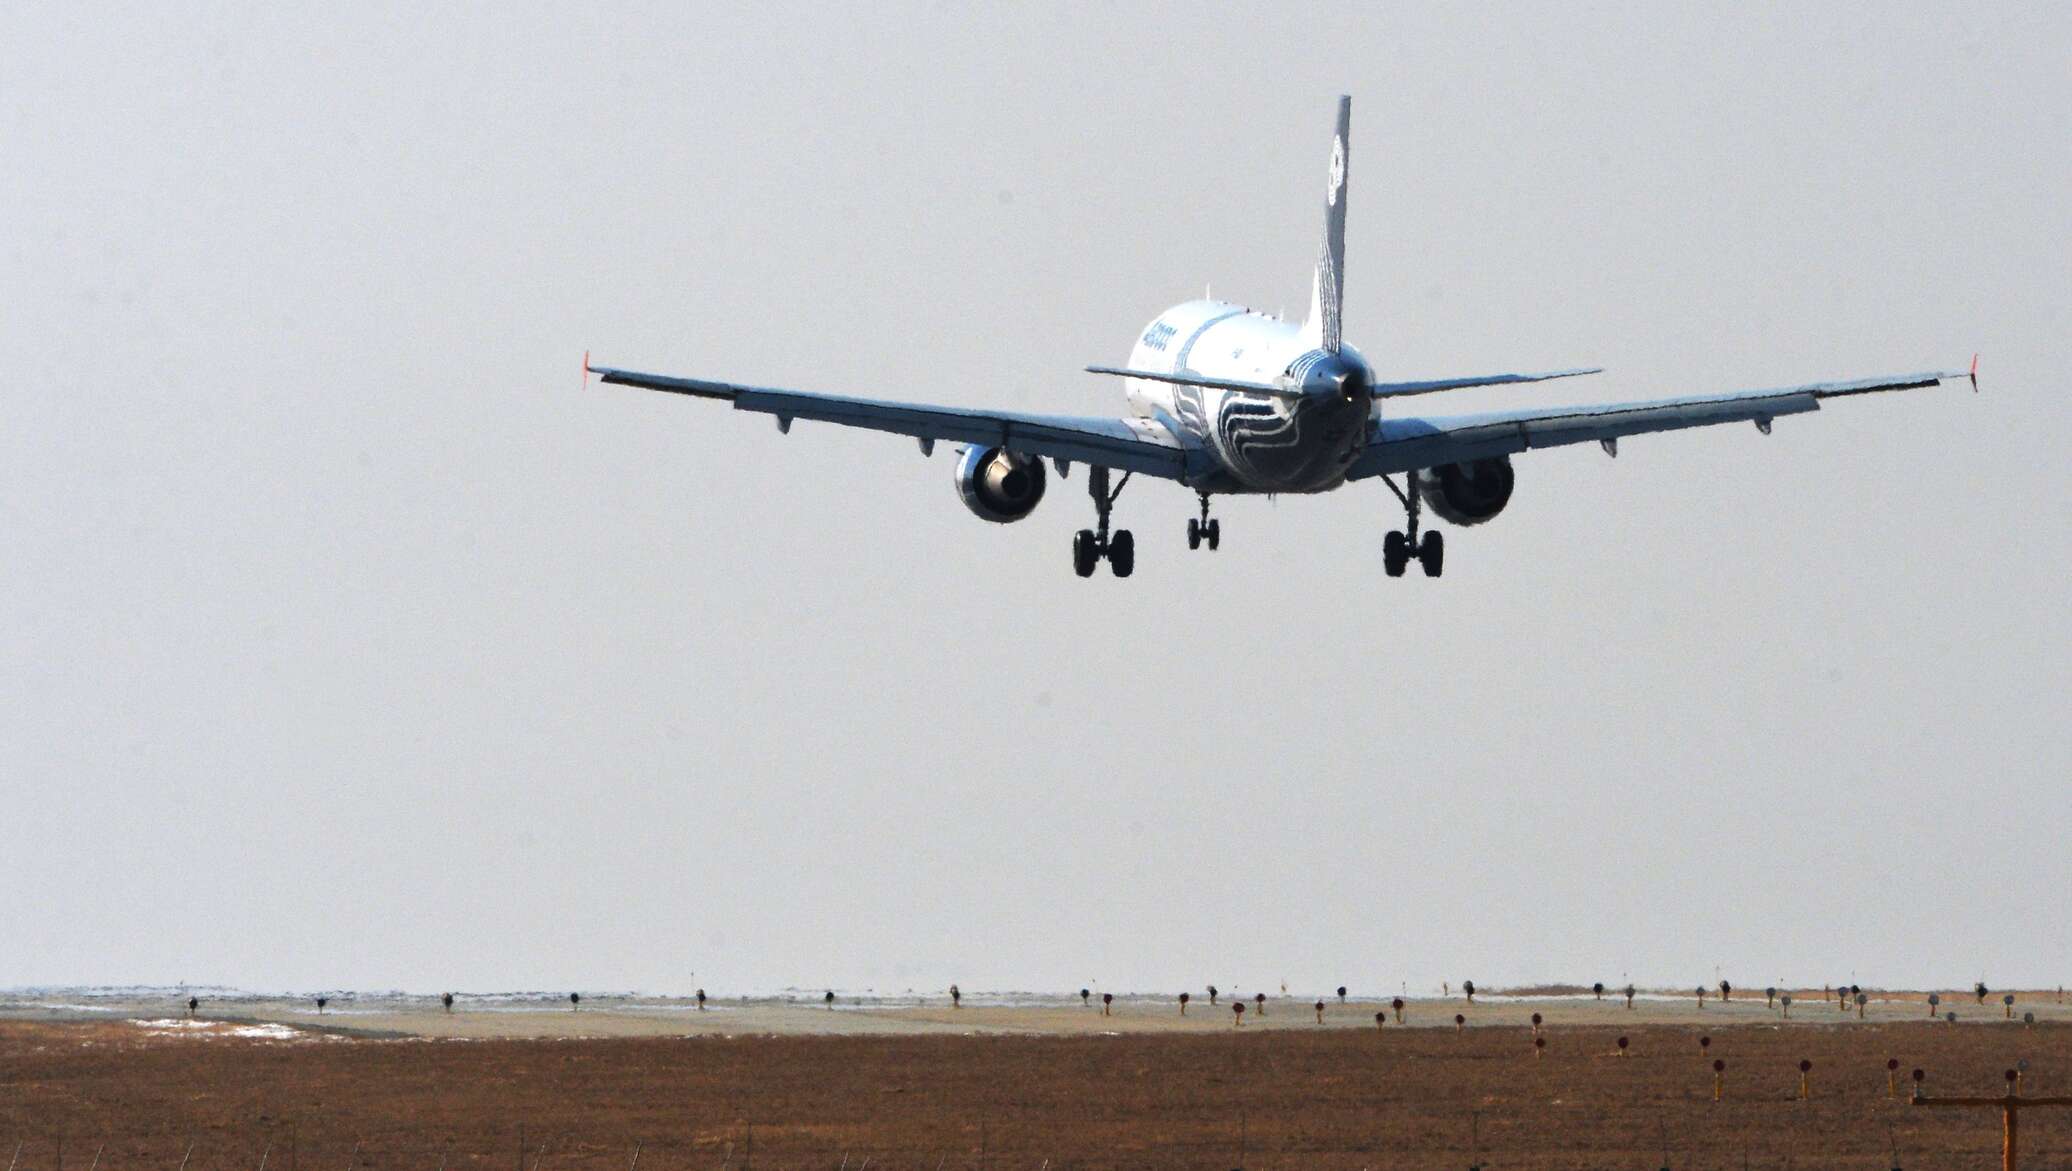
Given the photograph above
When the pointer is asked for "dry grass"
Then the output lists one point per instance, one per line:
(1381, 1098)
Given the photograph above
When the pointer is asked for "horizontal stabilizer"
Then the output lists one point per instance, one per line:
(1385, 389)
(1267, 388)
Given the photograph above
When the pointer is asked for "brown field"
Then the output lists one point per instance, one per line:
(1287, 1098)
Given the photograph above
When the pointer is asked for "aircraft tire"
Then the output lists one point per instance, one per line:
(1085, 553)
(1215, 533)
(1122, 553)
(1193, 533)
(1431, 553)
(1395, 553)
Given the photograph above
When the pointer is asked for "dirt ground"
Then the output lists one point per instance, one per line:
(1257, 1098)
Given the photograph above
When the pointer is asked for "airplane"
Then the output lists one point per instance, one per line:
(1224, 400)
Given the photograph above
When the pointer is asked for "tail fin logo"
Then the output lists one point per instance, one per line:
(1337, 172)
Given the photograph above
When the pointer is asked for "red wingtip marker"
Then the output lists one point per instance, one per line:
(1974, 374)
(586, 369)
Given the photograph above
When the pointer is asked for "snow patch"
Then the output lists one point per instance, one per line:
(266, 1032)
(193, 1028)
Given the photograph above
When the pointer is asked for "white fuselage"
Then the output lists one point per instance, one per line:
(1259, 443)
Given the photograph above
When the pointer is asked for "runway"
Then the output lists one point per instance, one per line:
(860, 1013)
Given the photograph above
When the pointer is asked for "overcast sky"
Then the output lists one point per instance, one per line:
(349, 642)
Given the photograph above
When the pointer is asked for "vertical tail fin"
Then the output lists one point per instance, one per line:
(1328, 292)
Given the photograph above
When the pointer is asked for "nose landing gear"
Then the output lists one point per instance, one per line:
(1397, 548)
(1089, 546)
(1204, 529)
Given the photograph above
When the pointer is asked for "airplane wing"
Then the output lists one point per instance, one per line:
(1130, 445)
(1407, 443)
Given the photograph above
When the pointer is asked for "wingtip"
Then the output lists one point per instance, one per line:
(586, 369)
(1974, 373)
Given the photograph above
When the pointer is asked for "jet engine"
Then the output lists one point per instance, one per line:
(1467, 494)
(999, 485)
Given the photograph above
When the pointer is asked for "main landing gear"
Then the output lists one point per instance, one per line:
(1089, 546)
(1397, 548)
(1204, 529)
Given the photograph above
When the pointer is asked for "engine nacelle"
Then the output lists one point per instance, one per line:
(1467, 494)
(999, 485)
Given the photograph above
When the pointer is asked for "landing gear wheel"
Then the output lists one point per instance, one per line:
(1086, 552)
(1204, 529)
(1431, 553)
(1122, 553)
(1395, 553)
(1090, 545)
